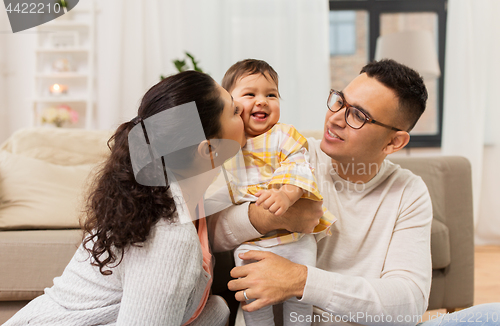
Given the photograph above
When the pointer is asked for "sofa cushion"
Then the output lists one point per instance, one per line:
(38, 195)
(60, 146)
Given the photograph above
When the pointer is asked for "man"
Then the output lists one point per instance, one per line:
(375, 268)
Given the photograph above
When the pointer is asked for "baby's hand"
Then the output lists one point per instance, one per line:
(274, 200)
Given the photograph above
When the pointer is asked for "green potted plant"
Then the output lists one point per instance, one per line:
(64, 8)
(182, 65)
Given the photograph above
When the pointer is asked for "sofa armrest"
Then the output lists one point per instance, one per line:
(449, 180)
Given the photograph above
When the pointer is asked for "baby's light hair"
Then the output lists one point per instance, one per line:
(245, 68)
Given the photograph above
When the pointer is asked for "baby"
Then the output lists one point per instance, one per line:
(278, 174)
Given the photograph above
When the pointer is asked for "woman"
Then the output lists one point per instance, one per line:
(138, 263)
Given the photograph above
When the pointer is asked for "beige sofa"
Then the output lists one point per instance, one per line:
(43, 172)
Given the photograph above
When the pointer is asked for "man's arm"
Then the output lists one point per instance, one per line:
(239, 223)
(401, 291)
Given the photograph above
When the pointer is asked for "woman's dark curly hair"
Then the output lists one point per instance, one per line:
(121, 212)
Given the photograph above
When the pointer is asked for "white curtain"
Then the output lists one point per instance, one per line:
(4, 29)
(137, 41)
(471, 108)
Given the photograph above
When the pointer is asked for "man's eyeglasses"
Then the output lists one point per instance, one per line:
(354, 117)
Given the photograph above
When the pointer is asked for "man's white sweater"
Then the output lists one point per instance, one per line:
(376, 266)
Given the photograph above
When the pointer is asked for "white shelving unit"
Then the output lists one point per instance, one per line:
(65, 55)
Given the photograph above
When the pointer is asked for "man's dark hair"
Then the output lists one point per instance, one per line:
(245, 68)
(406, 83)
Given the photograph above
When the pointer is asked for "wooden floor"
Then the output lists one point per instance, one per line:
(487, 274)
(486, 277)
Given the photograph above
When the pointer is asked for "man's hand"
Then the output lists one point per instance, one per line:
(301, 217)
(269, 280)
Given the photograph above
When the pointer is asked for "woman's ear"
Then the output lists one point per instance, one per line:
(205, 150)
(398, 141)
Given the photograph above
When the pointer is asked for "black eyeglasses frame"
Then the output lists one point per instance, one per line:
(348, 109)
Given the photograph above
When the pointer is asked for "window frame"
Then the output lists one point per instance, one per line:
(353, 50)
(375, 9)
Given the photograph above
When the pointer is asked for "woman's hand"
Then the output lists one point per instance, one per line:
(268, 280)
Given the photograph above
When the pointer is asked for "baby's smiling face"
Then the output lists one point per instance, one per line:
(261, 105)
